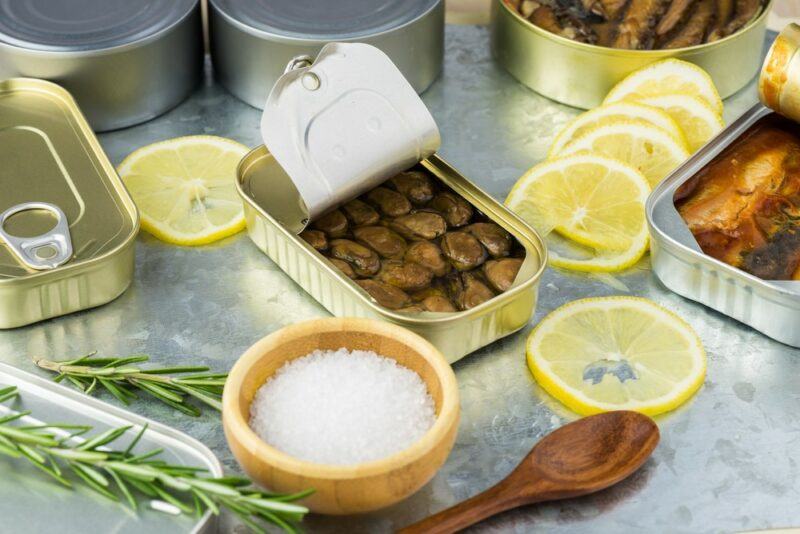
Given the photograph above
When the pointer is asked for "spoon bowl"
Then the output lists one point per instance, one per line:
(580, 458)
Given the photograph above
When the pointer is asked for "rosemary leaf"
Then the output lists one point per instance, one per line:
(8, 393)
(133, 443)
(103, 438)
(82, 473)
(123, 488)
(157, 390)
(211, 505)
(178, 370)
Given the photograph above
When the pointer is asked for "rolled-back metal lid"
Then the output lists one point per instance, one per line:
(344, 125)
(779, 82)
(326, 21)
(86, 25)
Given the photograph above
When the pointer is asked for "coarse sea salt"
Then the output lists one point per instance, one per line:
(342, 407)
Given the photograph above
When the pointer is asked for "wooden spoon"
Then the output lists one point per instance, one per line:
(582, 457)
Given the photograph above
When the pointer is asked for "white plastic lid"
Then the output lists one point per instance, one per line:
(345, 124)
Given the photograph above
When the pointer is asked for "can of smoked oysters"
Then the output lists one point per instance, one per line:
(725, 226)
(348, 196)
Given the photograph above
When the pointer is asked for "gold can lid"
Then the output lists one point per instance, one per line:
(779, 82)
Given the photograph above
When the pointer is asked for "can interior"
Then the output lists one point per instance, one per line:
(267, 187)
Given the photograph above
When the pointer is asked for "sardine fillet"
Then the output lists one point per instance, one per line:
(695, 28)
(737, 204)
(677, 11)
(637, 23)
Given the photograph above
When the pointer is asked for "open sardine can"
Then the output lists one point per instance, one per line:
(336, 128)
(731, 245)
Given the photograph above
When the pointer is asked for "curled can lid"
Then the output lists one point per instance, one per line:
(779, 82)
(344, 124)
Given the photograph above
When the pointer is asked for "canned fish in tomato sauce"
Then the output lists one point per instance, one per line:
(725, 226)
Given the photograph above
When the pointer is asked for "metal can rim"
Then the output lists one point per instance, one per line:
(137, 43)
(270, 36)
(655, 54)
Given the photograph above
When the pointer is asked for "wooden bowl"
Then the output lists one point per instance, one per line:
(341, 489)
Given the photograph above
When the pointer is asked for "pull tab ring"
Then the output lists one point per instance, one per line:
(298, 62)
(42, 252)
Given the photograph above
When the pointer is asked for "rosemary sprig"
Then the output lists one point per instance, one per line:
(57, 450)
(121, 377)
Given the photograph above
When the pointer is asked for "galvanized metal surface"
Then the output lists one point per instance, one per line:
(580, 74)
(30, 502)
(728, 460)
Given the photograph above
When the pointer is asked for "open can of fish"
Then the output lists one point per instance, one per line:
(338, 128)
(724, 226)
(581, 74)
(67, 224)
(252, 40)
(124, 61)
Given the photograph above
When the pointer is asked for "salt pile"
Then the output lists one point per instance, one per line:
(342, 407)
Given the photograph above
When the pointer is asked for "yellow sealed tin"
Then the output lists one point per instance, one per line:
(67, 224)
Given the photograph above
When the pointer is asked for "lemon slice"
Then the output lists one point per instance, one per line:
(651, 150)
(185, 188)
(593, 200)
(616, 353)
(610, 113)
(667, 77)
(599, 262)
(697, 120)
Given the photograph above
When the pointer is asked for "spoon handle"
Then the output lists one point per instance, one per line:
(492, 501)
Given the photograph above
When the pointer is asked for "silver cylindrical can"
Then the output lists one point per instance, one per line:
(124, 61)
(253, 40)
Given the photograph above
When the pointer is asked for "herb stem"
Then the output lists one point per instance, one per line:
(120, 474)
(121, 377)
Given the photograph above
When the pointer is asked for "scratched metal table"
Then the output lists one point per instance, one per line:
(728, 460)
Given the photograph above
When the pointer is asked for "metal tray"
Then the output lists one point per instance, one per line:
(772, 307)
(252, 41)
(268, 194)
(50, 155)
(581, 75)
(125, 61)
(32, 503)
